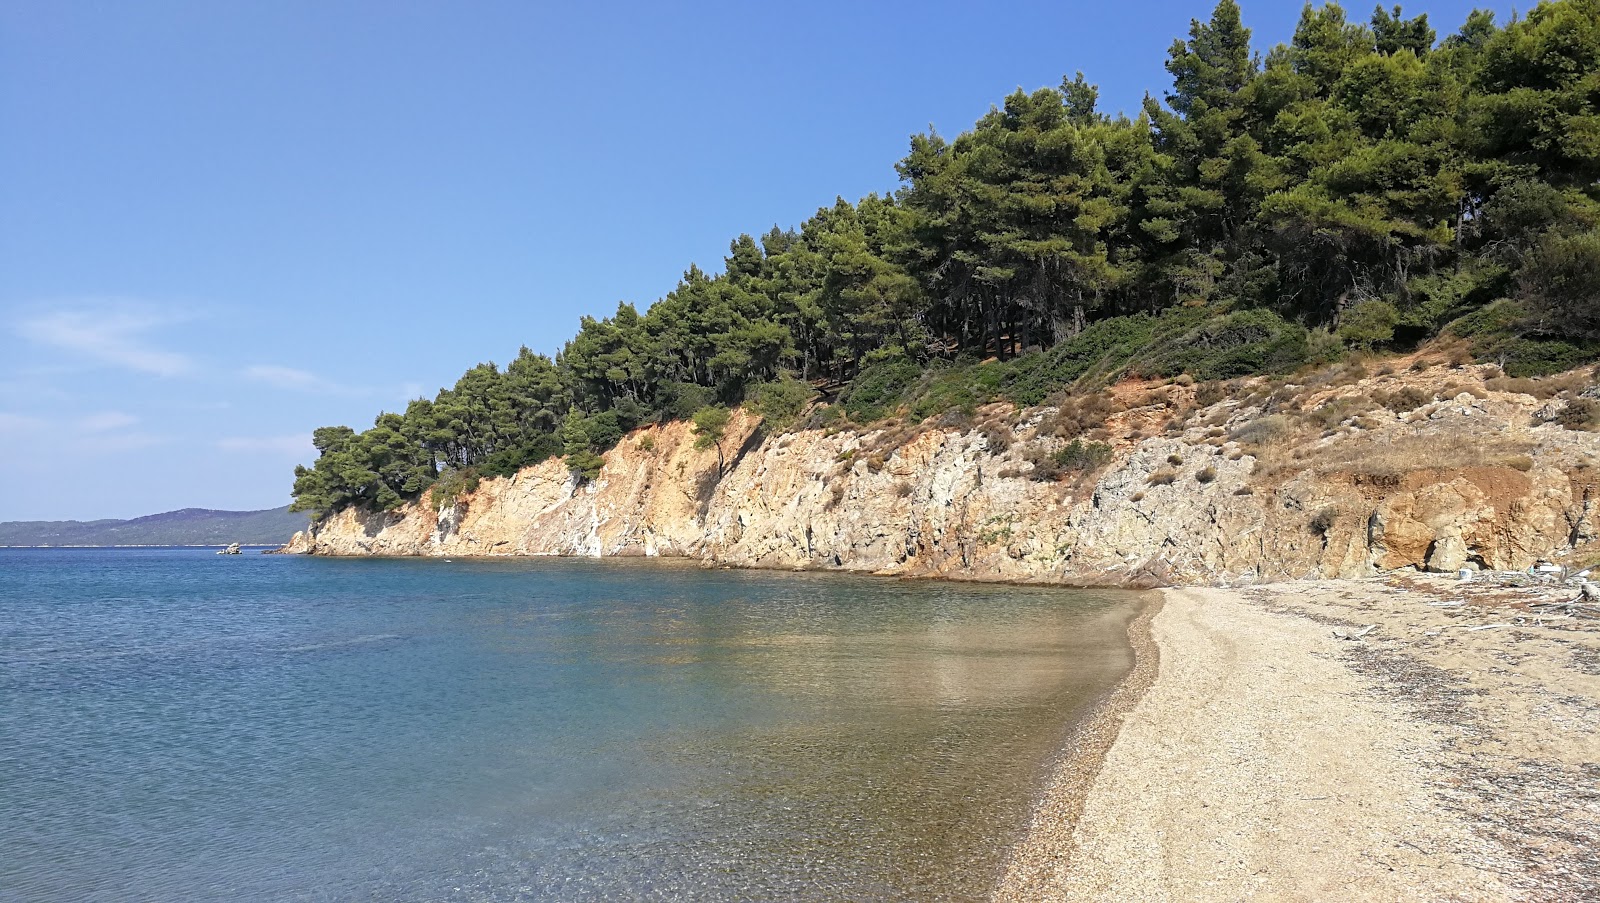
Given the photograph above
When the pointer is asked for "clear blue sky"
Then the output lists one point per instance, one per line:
(225, 224)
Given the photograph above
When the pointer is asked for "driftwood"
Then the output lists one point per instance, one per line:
(1577, 607)
(1347, 633)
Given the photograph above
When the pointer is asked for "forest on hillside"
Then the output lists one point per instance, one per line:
(1368, 186)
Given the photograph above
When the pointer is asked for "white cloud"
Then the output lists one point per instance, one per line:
(18, 425)
(112, 334)
(283, 377)
(298, 380)
(297, 446)
(92, 434)
(105, 443)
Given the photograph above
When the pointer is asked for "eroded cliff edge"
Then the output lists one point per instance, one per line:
(1276, 481)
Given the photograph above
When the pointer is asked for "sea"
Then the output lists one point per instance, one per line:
(177, 725)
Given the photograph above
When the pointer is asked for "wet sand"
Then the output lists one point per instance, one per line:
(1268, 758)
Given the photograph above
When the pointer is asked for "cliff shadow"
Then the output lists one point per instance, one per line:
(705, 486)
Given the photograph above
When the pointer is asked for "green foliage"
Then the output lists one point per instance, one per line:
(452, 485)
(679, 400)
(1080, 455)
(1497, 333)
(780, 402)
(1362, 185)
(876, 391)
(586, 464)
(709, 426)
(508, 461)
(1369, 324)
(1560, 284)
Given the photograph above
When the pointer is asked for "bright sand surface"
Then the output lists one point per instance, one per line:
(1255, 754)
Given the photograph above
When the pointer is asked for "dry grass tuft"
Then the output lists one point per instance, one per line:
(1580, 414)
(1264, 430)
(1412, 453)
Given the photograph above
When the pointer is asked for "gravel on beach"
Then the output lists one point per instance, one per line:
(1262, 754)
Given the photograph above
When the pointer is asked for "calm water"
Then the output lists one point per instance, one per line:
(177, 725)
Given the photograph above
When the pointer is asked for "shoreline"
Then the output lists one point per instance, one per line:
(1037, 863)
(1452, 752)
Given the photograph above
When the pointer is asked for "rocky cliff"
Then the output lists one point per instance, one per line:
(1438, 469)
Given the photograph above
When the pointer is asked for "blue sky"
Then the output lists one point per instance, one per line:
(225, 224)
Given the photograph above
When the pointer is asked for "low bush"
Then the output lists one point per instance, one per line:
(1080, 455)
(1580, 414)
(452, 486)
(877, 391)
(998, 436)
(781, 402)
(1076, 456)
(1406, 398)
(1264, 430)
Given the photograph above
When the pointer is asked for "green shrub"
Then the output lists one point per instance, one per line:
(679, 401)
(1501, 333)
(1080, 455)
(586, 464)
(1369, 324)
(709, 425)
(1560, 282)
(451, 486)
(877, 391)
(1242, 343)
(780, 402)
(509, 461)
(950, 388)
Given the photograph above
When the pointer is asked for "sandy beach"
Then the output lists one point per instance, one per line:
(1452, 752)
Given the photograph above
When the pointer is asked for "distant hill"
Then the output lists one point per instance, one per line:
(185, 527)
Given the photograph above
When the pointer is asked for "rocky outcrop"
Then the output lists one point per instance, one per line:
(1466, 481)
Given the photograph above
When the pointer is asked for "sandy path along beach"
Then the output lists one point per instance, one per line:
(1270, 759)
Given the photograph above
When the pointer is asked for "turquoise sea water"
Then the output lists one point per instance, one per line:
(177, 725)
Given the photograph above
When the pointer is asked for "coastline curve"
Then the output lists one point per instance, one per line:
(1037, 866)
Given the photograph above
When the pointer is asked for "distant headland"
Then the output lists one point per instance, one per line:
(184, 527)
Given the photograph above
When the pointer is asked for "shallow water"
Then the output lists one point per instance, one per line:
(180, 725)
